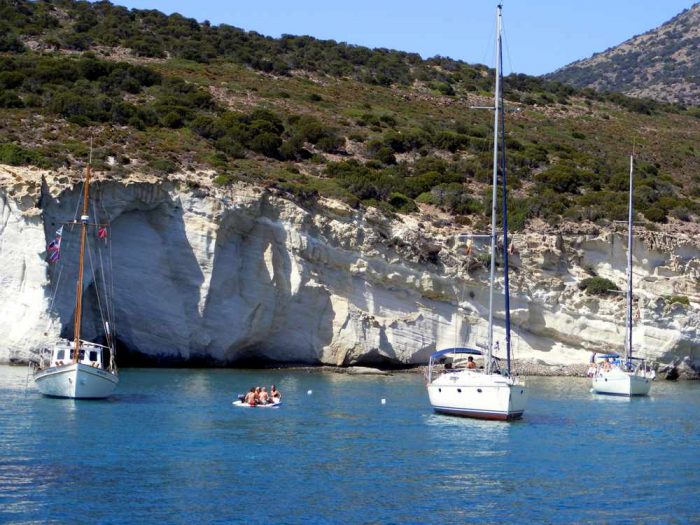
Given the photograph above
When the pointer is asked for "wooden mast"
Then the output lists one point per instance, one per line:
(79, 286)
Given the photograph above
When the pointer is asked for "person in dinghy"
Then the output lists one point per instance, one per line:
(259, 397)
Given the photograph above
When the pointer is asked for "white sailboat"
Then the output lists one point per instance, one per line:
(78, 369)
(456, 385)
(625, 375)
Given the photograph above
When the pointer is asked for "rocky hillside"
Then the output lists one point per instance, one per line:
(380, 128)
(662, 64)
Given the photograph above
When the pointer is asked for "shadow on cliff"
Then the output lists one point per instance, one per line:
(149, 259)
(260, 308)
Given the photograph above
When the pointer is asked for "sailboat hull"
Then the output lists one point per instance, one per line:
(477, 395)
(76, 381)
(619, 383)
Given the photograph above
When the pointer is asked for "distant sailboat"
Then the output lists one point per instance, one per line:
(624, 375)
(456, 386)
(78, 369)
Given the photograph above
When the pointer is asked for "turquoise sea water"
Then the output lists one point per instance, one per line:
(170, 448)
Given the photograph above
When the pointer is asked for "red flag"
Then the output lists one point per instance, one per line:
(102, 232)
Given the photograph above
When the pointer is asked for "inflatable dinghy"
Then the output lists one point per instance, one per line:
(240, 403)
(248, 405)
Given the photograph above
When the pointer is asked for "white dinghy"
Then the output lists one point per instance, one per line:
(243, 404)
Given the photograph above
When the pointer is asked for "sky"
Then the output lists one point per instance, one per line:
(541, 35)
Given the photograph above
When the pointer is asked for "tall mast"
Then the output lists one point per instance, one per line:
(494, 194)
(79, 286)
(506, 284)
(628, 339)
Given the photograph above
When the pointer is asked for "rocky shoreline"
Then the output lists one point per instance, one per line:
(677, 370)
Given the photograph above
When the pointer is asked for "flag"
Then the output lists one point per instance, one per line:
(54, 247)
(102, 232)
(470, 244)
(511, 248)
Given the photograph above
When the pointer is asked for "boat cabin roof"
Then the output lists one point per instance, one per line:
(617, 356)
(452, 352)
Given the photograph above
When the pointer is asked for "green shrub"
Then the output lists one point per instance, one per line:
(9, 99)
(231, 147)
(267, 144)
(563, 178)
(655, 214)
(443, 88)
(681, 213)
(330, 143)
(15, 155)
(401, 203)
(598, 286)
(677, 299)
(224, 179)
(451, 141)
(10, 43)
(163, 165)
(452, 197)
(385, 156)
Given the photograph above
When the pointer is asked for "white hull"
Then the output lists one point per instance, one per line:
(616, 382)
(240, 403)
(474, 394)
(76, 381)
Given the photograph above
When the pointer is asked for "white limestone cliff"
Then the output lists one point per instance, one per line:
(243, 274)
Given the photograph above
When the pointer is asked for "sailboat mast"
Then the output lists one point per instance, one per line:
(79, 285)
(494, 193)
(504, 189)
(628, 342)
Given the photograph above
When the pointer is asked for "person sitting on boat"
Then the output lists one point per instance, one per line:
(275, 394)
(250, 397)
(470, 362)
(264, 397)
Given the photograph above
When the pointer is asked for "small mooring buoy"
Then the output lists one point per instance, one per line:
(309, 392)
(383, 401)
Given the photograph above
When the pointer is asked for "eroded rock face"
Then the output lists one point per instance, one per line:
(244, 274)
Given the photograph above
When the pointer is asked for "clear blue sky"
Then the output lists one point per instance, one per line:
(542, 35)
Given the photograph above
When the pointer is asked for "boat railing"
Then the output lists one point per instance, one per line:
(634, 365)
(436, 370)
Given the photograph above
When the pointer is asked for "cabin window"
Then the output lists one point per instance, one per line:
(60, 355)
(93, 355)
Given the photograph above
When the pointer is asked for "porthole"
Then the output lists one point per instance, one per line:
(439, 389)
(459, 390)
(478, 390)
